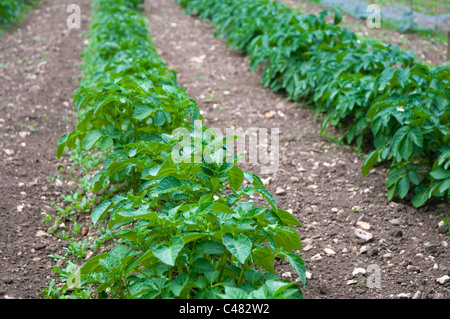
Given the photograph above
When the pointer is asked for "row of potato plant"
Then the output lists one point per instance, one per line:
(181, 229)
(373, 92)
(10, 10)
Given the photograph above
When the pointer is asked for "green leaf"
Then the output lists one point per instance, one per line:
(160, 118)
(222, 208)
(142, 111)
(413, 177)
(209, 247)
(240, 246)
(369, 162)
(194, 112)
(421, 196)
(202, 266)
(299, 266)
(440, 173)
(167, 185)
(100, 210)
(267, 196)
(92, 138)
(416, 136)
(406, 148)
(236, 178)
(403, 186)
(168, 253)
(187, 238)
(287, 218)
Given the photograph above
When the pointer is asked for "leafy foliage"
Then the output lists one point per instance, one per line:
(11, 9)
(372, 91)
(182, 229)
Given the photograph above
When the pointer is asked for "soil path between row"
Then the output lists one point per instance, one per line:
(39, 71)
(318, 180)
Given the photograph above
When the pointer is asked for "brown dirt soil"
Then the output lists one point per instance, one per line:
(428, 50)
(38, 75)
(322, 181)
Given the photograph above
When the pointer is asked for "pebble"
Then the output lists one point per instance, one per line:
(442, 280)
(430, 249)
(395, 221)
(308, 275)
(58, 183)
(417, 295)
(316, 257)
(8, 152)
(413, 268)
(404, 296)
(307, 247)
(358, 271)
(444, 244)
(364, 249)
(280, 191)
(352, 282)
(287, 275)
(329, 252)
(366, 236)
(419, 255)
(363, 225)
(41, 233)
(268, 115)
(387, 256)
(295, 179)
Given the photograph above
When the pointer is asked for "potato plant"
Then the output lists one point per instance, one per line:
(181, 229)
(10, 10)
(373, 92)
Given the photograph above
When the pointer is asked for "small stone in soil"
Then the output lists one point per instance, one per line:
(365, 236)
(280, 191)
(295, 179)
(404, 296)
(358, 271)
(364, 249)
(430, 249)
(442, 280)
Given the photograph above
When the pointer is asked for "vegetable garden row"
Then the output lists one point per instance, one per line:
(374, 93)
(182, 227)
(10, 10)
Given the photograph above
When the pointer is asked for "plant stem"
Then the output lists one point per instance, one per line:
(222, 264)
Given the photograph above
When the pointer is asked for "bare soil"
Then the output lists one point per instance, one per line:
(38, 74)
